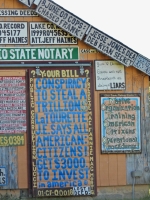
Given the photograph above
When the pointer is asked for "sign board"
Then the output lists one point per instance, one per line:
(120, 123)
(63, 161)
(12, 140)
(110, 47)
(109, 75)
(27, 2)
(3, 176)
(17, 12)
(142, 64)
(38, 53)
(62, 18)
(48, 33)
(12, 106)
(13, 33)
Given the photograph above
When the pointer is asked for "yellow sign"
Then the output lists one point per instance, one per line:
(12, 140)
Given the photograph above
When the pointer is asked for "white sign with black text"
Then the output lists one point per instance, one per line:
(3, 177)
(110, 47)
(109, 75)
(27, 2)
(18, 12)
(49, 33)
(13, 33)
(62, 18)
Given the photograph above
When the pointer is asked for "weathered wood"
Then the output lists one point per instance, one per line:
(8, 159)
(23, 166)
(140, 84)
(12, 72)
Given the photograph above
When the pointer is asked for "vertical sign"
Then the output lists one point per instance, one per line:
(120, 123)
(12, 106)
(62, 133)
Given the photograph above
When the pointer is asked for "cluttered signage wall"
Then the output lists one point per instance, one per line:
(61, 113)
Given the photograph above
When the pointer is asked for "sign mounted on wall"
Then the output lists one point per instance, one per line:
(27, 2)
(12, 107)
(48, 33)
(3, 176)
(18, 12)
(120, 123)
(62, 18)
(109, 75)
(62, 132)
(39, 53)
(13, 33)
(110, 47)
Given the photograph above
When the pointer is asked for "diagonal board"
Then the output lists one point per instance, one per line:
(27, 2)
(92, 36)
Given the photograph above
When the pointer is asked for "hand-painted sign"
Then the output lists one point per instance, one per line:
(11, 140)
(12, 106)
(62, 18)
(62, 133)
(48, 33)
(110, 47)
(27, 2)
(29, 53)
(18, 12)
(3, 176)
(142, 64)
(109, 75)
(13, 33)
(120, 123)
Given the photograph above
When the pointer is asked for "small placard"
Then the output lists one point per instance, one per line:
(109, 75)
(18, 12)
(3, 177)
(49, 33)
(12, 140)
(13, 33)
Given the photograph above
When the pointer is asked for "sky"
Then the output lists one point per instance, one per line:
(125, 20)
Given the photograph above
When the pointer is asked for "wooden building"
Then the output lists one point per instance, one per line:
(74, 113)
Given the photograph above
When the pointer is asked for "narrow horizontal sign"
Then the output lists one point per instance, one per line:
(110, 47)
(62, 18)
(18, 12)
(11, 140)
(39, 53)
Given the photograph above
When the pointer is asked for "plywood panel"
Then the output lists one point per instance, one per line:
(139, 161)
(2, 3)
(12, 72)
(121, 169)
(97, 137)
(8, 159)
(113, 168)
(22, 166)
(104, 170)
(9, 3)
